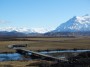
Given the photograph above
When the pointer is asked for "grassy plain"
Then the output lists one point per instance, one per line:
(47, 43)
(42, 44)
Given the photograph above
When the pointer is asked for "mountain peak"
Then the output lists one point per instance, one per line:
(77, 23)
(83, 19)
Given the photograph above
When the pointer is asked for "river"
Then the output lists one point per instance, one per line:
(59, 54)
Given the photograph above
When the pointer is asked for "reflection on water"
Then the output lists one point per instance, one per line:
(10, 57)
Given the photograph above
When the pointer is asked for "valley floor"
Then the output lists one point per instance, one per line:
(36, 43)
(47, 43)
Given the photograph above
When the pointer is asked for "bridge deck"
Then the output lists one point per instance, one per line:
(41, 55)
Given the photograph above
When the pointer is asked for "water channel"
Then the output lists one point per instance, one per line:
(59, 54)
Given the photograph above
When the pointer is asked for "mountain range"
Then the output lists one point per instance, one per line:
(24, 30)
(77, 25)
(20, 32)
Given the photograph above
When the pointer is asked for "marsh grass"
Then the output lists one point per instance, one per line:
(47, 43)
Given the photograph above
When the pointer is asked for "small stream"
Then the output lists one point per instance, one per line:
(59, 54)
(59, 51)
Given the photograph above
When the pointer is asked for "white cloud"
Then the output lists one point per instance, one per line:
(41, 30)
(26, 30)
(4, 21)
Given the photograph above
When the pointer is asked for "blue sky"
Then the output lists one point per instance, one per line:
(40, 13)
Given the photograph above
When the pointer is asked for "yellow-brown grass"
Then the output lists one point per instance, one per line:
(42, 44)
(48, 43)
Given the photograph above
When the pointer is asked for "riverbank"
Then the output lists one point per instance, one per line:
(42, 44)
(20, 63)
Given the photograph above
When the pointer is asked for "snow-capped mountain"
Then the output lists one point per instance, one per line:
(24, 30)
(75, 24)
(78, 25)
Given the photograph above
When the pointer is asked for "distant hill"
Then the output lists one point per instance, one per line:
(21, 32)
(11, 34)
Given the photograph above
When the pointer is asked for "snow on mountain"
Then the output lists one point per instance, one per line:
(75, 24)
(24, 30)
(40, 30)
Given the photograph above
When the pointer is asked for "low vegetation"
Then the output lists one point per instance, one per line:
(43, 43)
(47, 43)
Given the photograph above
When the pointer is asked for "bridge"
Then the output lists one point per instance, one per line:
(37, 55)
